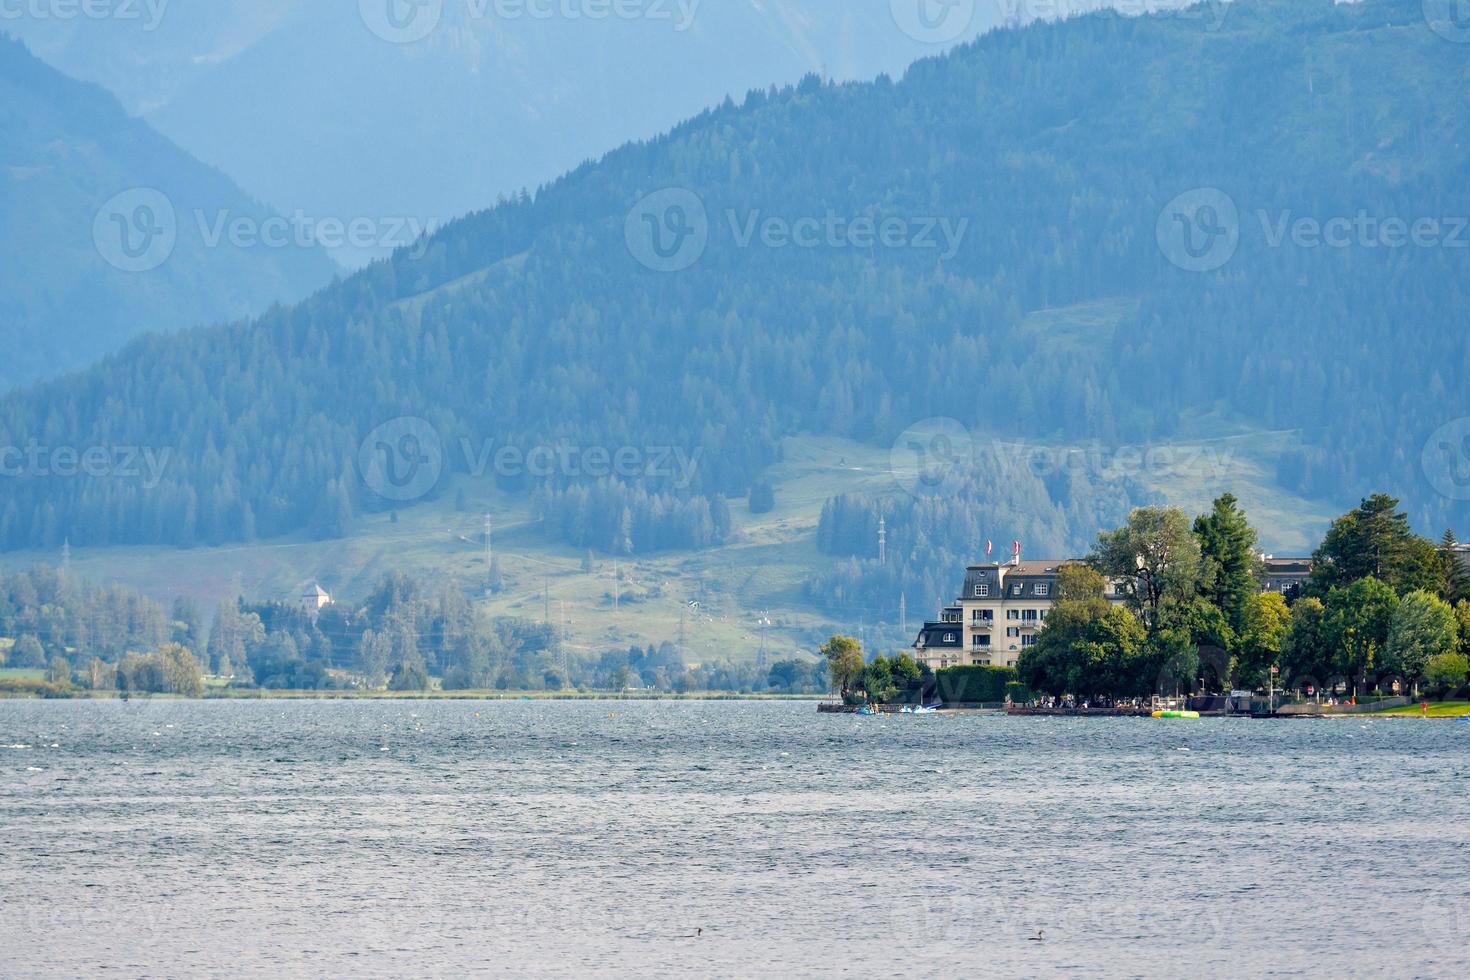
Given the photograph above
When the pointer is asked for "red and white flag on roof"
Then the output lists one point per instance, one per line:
(1016, 548)
(989, 547)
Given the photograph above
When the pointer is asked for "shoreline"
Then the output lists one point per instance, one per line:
(301, 695)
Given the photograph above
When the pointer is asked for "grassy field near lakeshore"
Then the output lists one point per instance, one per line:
(1437, 709)
(715, 596)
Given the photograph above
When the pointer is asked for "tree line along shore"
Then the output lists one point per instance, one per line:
(1384, 613)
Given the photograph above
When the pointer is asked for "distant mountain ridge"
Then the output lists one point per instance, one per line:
(648, 299)
(324, 107)
(112, 231)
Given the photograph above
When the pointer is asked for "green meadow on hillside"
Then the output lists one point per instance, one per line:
(719, 593)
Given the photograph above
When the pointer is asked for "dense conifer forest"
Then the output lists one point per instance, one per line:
(1029, 171)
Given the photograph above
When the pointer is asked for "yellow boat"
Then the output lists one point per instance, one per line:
(1176, 714)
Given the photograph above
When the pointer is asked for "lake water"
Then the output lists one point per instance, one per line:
(555, 838)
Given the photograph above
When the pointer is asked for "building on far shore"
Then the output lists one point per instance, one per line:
(1462, 551)
(316, 598)
(997, 614)
(1003, 605)
(1285, 575)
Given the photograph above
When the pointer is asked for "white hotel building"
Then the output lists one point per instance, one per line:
(996, 616)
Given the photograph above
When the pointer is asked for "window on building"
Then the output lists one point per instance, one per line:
(949, 638)
(1013, 631)
(1013, 614)
(982, 591)
(980, 640)
(1042, 588)
(1029, 615)
(1027, 641)
(1016, 589)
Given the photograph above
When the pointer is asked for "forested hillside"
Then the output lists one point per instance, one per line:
(1037, 169)
(73, 164)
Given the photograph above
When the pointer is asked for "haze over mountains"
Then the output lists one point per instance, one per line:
(322, 118)
(1108, 233)
(75, 284)
(303, 104)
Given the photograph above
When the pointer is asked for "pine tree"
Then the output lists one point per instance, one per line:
(1229, 573)
(1456, 574)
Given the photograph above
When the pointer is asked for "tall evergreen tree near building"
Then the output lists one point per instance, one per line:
(1375, 540)
(1229, 567)
(1456, 575)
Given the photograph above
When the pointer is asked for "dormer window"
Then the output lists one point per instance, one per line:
(982, 591)
(1016, 589)
(1041, 588)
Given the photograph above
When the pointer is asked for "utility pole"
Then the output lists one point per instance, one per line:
(903, 615)
(763, 622)
(561, 638)
(489, 550)
(882, 541)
